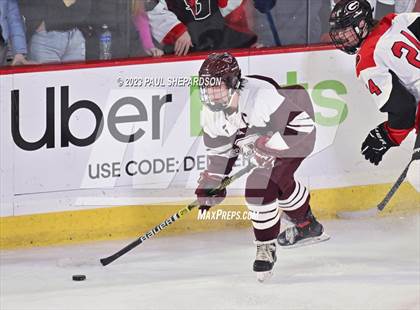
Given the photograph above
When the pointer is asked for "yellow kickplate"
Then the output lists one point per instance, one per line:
(133, 221)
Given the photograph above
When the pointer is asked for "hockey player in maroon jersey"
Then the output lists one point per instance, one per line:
(272, 125)
(388, 62)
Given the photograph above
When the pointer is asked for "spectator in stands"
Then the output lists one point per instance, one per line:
(54, 27)
(407, 6)
(11, 30)
(141, 21)
(116, 15)
(124, 18)
(191, 25)
(404, 6)
(384, 7)
(294, 21)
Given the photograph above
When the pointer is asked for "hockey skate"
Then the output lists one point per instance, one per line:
(265, 259)
(302, 234)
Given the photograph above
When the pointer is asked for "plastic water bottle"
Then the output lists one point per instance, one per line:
(105, 42)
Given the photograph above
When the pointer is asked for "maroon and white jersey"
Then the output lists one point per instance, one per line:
(169, 19)
(285, 114)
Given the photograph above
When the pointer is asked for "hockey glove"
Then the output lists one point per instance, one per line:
(264, 6)
(207, 183)
(376, 144)
(264, 156)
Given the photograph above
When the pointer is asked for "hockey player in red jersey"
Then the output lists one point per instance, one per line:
(272, 125)
(388, 62)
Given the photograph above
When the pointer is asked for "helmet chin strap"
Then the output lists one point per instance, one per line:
(231, 94)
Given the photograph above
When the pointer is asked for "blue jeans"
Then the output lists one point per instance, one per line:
(57, 46)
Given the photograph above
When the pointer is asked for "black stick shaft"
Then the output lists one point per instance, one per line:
(273, 28)
(393, 189)
(107, 260)
(401, 178)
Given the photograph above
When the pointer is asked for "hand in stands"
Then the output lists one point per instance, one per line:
(154, 52)
(20, 59)
(183, 44)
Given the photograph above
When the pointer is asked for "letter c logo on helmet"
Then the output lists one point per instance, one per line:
(352, 6)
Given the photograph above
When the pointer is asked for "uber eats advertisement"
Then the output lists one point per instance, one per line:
(137, 128)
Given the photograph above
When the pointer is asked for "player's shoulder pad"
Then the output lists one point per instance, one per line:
(264, 88)
(365, 57)
(263, 98)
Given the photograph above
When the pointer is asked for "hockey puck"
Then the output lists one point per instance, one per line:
(79, 277)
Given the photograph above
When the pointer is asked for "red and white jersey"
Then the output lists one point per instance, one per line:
(391, 46)
(286, 114)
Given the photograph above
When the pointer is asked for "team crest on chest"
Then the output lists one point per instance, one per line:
(199, 9)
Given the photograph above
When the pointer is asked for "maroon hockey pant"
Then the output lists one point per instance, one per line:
(270, 190)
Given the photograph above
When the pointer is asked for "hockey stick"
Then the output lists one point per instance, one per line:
(107, 260)
(273, 28)
(391, 192)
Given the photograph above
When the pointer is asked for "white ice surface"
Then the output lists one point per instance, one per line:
(367, 264)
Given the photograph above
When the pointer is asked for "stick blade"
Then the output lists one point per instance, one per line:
(358, 214)
(106, 261)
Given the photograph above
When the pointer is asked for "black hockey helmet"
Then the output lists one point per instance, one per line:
(217, 68)
(350, 23)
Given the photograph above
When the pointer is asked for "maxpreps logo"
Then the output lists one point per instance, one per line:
(112, 119)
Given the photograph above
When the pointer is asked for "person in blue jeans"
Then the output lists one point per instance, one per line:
(12, 31)
(55, 29)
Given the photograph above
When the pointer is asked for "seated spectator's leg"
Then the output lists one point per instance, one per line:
(76, 47)
(46, 46)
